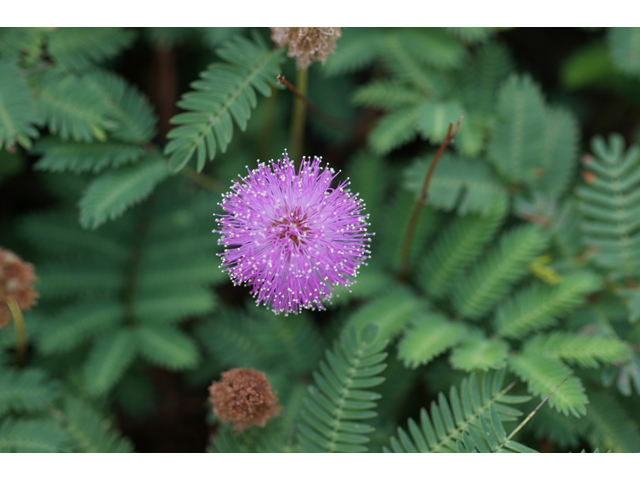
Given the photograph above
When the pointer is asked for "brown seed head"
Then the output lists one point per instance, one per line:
(307, 44)
(16, 277)
(244, 397)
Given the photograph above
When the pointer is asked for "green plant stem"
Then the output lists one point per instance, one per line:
(415, 215)
(202, 179)
(524, 422)
(298, 116)
(268, 124)
(21, 332)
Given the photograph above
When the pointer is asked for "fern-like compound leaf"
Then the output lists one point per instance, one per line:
(387, 95)
(109, 358)
(136, 120)
(391, 312)
(435, 116)
(224, 92)
(558, 162)
(610, 206)
(167, 346)
(112, 193)
(586, 351)
(479, 353)
(23, 45)
(358, 49)
(32, 436)
(333, 410)
(428, 336)
(543, 373)
(433, 46)
(90, 432)
(539, 306)
(491, 279)
(515, 148)
(457, 247)
(481, 83)
(73, 109)
(17, 110)
(477, 407)
(78, 324)
(624, 44)
(613, 427)
(458, 183)
(61, 156)
(394, 130)
(26, 390)
(173, 304)
(77, 48)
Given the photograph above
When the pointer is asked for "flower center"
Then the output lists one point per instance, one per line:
(291, 226)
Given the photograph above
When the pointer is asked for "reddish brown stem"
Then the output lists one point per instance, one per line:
(413, 221)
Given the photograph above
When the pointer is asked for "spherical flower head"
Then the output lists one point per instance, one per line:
(244, 397)
(306, 44)
(16, 277)
(292, 237)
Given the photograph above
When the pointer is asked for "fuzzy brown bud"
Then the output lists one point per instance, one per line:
(307, 44)
(244, 397)
(16, 277)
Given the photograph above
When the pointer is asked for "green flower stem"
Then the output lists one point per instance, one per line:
(203, 180)
(298, 117)
(21, 332)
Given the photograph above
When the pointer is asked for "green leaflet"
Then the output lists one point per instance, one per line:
(109, 358)
(476, 410)
(613, 426)
(17, 110)
(32, 436)
(166, 346)
(111, 194)
(89, 431)
(73, 109)
(428, 336)
(225, 91)
(503, 265)
(515, 148)
(434, 117)
(538, 306)
(136, 120)
(60, 156)
(624, 45)
(78, 48)
(543, 373)
(583, 350)
(394, 129)
(387, 95)
(479, 353)
(458, 183)
(358, 49)
(390, 312)
(610, 205)
(331, 418)
(457, 247)
(25, 390)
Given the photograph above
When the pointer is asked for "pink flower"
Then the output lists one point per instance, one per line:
(291, 236)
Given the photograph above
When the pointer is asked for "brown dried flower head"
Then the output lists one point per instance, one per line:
(16, 277)
(307, 44)
(244, 397)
